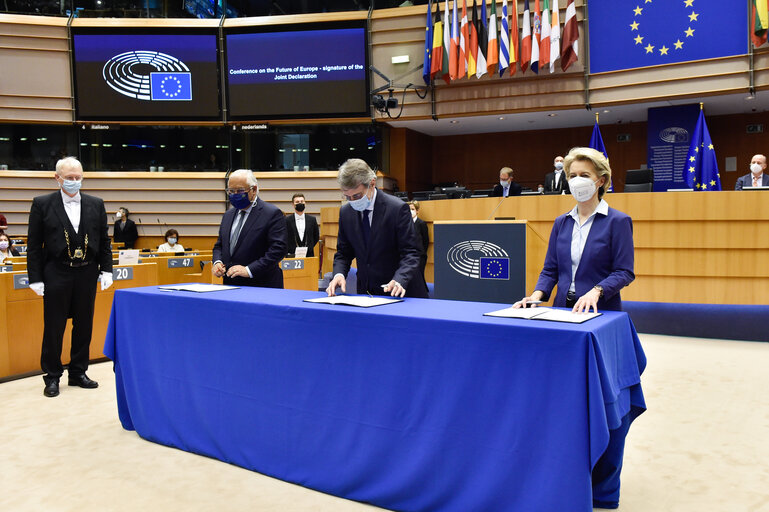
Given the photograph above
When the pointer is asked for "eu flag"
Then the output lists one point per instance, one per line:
(701, 172)
(427, 65)
(596, 141)
(495, 268)
(171, 86)
(628, 35)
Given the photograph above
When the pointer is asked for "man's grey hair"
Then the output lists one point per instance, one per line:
(355, 172)
(67, 163)
(245, 173)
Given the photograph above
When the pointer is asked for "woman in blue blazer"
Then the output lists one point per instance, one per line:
(590, 253)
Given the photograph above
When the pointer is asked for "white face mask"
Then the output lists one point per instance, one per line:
(503, 183)
(362, 203)
(755, 168)
(119, 215)
(582, 188)
(559, 165)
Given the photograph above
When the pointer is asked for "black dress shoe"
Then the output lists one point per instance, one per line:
(51, 389)
(82, 381)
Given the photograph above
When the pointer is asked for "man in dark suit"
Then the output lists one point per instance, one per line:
(252, 237)
(556, 181)
(756, 177)
(68, 250)
(506, 186)
(125, 229)
(376, 230)
(301, 229)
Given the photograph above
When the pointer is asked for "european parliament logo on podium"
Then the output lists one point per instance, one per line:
(495, 268)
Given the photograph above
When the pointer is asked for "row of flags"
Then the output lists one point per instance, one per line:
(458, 47)
(759, 18)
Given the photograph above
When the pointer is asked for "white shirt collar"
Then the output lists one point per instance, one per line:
(602, 208)
(68, 199)
(373, 200)
(299, 217)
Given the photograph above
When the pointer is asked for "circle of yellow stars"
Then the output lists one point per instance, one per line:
(498, 271)
(663, 50)
(692, 159)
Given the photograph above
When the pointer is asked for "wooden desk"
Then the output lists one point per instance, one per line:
(21, 320)
(305, 278)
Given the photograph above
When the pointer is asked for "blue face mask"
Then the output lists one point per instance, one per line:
(71, 187)
(240, 201)
(172, 241)
(361, 204)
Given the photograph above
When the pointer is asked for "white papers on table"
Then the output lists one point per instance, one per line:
(354, 300)
(553, 315)
(197, 287)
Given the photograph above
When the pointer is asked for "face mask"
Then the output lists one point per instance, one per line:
(361, 204)
(4, 245)
(240, 201)
(503, 183)
(755, 168)
(559, 165)
(582, 188)
(71, 187)
(119, 215)
(172, 241)
(299, 207)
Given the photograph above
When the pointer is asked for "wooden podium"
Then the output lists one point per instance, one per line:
(486, 261)
(300, 273)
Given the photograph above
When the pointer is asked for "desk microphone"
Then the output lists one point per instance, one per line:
(141, 226)
(162, 233)
(496, 208)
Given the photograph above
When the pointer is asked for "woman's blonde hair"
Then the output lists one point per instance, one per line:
(600, 164)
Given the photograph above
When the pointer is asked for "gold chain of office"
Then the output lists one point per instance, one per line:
(79, 253)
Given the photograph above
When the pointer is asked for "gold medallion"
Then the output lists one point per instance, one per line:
(79, 253)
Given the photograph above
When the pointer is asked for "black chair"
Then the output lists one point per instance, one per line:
(639, 180)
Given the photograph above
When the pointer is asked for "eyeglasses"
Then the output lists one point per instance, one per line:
(238, 190)
(355, 197)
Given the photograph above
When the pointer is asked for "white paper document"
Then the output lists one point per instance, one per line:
(553, 315)
(512, 312)
(361, 301)
(198, 287)
(128, 257)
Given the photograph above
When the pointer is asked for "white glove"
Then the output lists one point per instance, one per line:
(106, 280)
(38, 288)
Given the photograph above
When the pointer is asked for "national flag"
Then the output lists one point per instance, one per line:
(526, 37)
(446, 66)
(495, 268)
(596, 141)
(454, 49)
(536, 32)
(464, 40)
(472, 54)
(515, 44)
(759, 18)
(504, 41)
(544, 40)
(483, 39)
(436, 62)
(555, 36)
(492, 53)
(570, 42)
(427, 65)
(701, 172)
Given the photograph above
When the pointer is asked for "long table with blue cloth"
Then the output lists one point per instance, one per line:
(413, 406)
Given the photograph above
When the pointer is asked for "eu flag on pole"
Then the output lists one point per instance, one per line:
(628, 35)
(171, 86)
(427, 65)
(701, 171)
(596, 141)
(495, 268)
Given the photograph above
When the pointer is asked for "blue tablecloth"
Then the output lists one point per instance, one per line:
(420, 405)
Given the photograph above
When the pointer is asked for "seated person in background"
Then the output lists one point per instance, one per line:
(506, 186)
(556, 181)
(6, 248)
(423, 237)
(172, 242)
(756, 177)
(125, 229)
(3, 223)
(301, 229)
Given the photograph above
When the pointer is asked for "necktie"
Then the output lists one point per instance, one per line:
(755, 181)
(236, 233)
(507, 191)
(365, 225)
